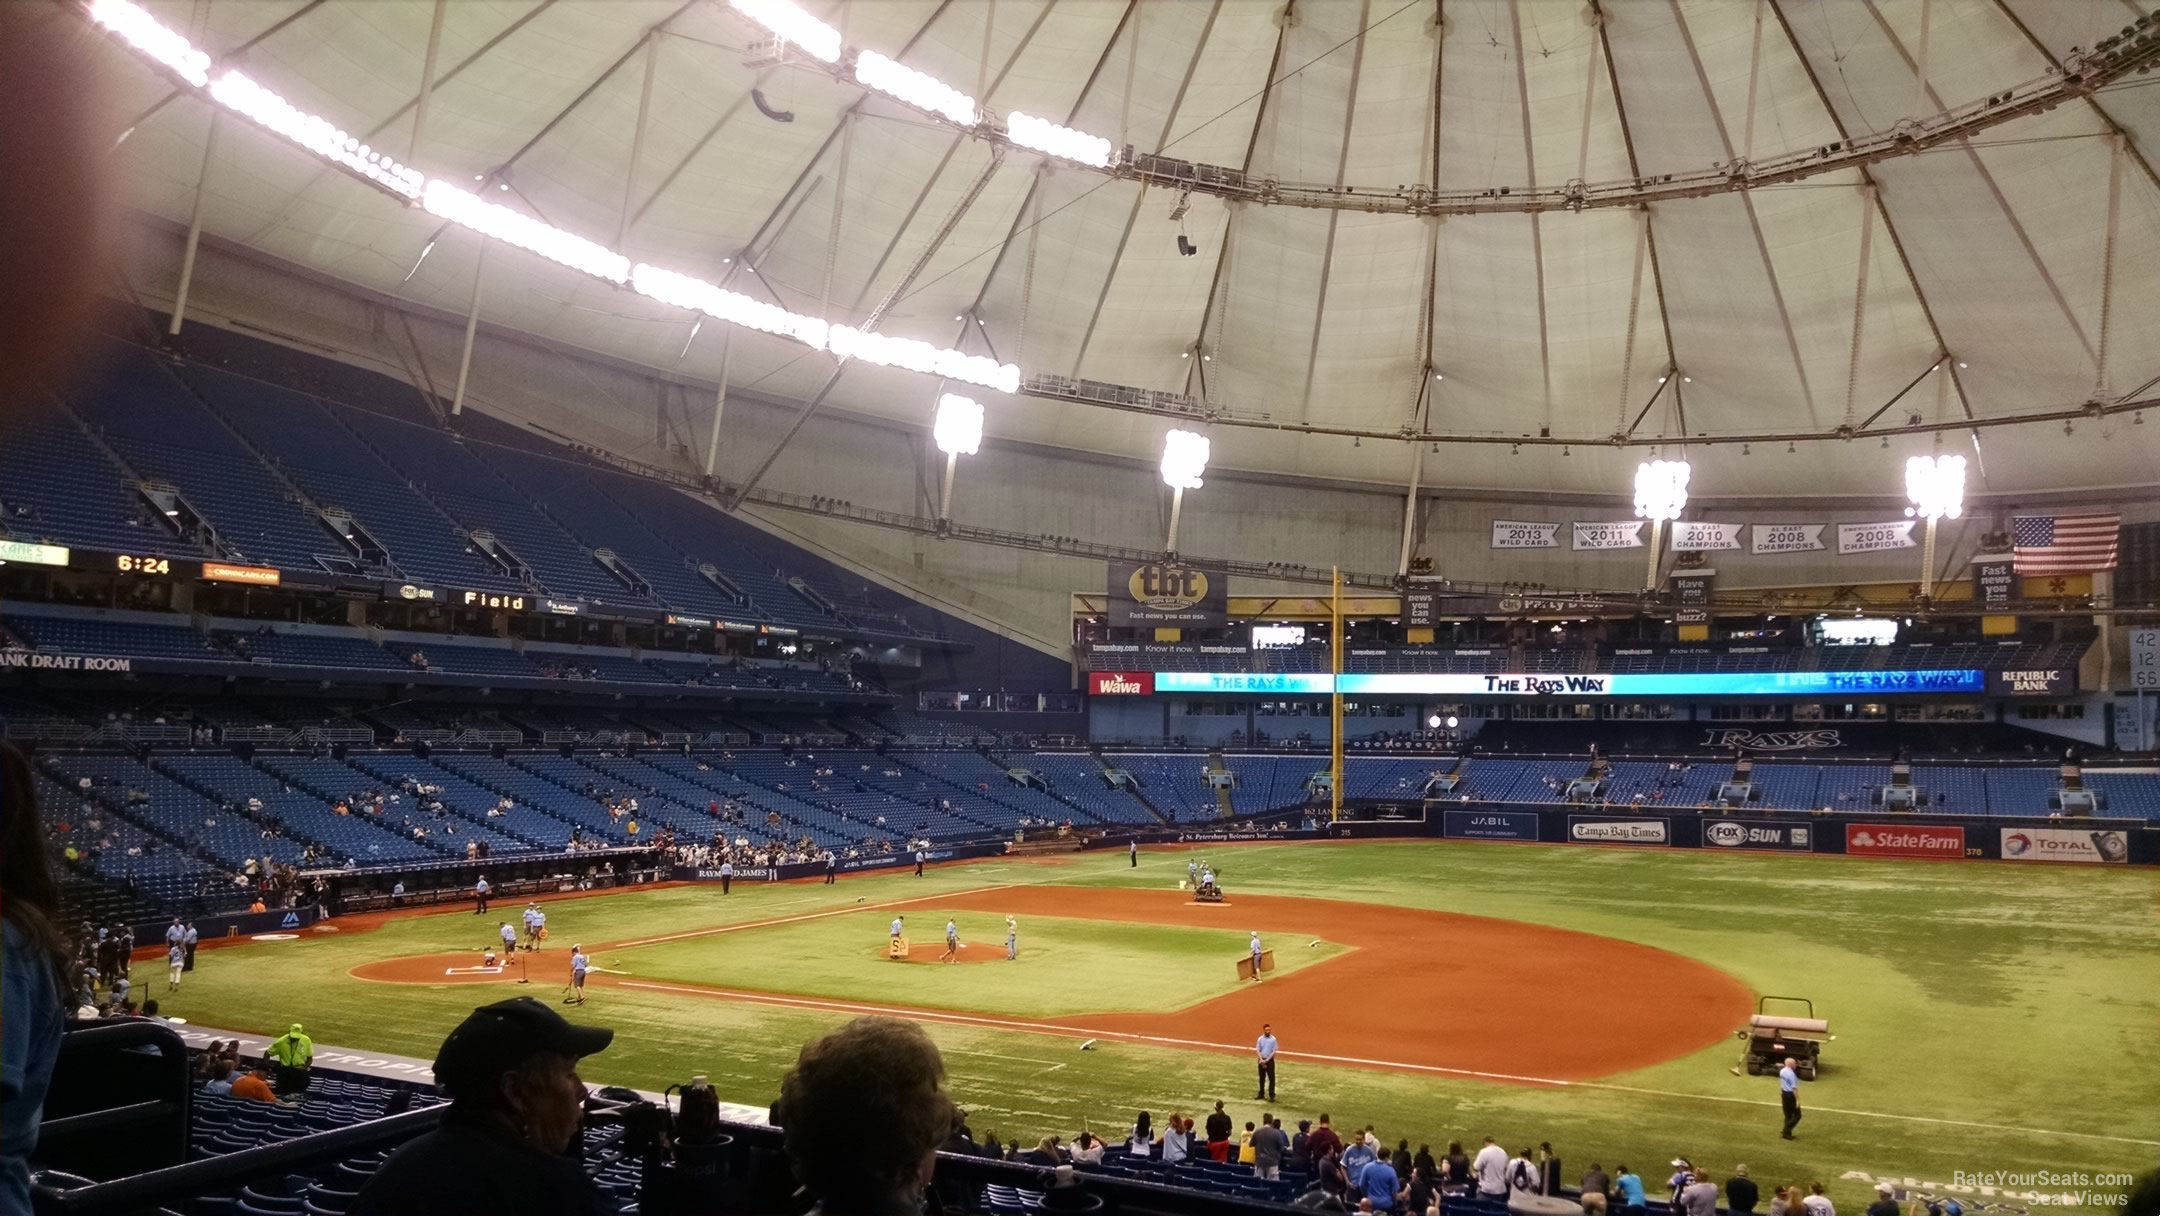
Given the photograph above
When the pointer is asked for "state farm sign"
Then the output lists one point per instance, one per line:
(1121, 683)
(1903, 840)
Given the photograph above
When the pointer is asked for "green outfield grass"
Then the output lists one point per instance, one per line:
(1065, 966)
(1988, 1017)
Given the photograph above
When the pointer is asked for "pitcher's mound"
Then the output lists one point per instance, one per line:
(981, 952)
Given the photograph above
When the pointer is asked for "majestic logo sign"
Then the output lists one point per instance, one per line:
(2061, 844)
(1901, 840)
(1617, 831)
(1121, 683)
(1772, 740)
(1757, 834)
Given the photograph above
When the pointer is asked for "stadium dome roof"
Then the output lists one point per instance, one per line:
(1396, 246)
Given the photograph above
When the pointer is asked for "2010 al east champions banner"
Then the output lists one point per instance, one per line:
(1167, 595)
(1695, 536)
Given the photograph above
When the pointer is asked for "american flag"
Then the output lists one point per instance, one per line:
(2064, 544)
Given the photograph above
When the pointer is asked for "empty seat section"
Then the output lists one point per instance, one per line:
(308, 815)
(56, 487)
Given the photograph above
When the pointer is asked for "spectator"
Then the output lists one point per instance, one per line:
(1329, 1175)
(1177, 1140)
(294, 1053)
(1269, 1145)
(1741, 1193)
(1884, 1205)
(510, 1071)
(1699, 1196)
(1380, 1185)
(1355, 1157)
(1300, 1150)
(1400, 1159)
(1491, 1170)
(254, 1085)
(1781, 1202)
(1218, 1133)
(1628, 1189)
(1423, 1194)
(1424, 1161)
(1323, 1140)
(1141, 1143)
(1524, 1177)
(1596, 1182)
(877, 1075)
(1815, 1203)
(1086, 1149)
(220, 1081)
(32, 982)
(1045, 1153)
(1455, 1167)
(1548, 1168)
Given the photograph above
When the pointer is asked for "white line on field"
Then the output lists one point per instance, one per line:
(790, 920)
(1864, 1114)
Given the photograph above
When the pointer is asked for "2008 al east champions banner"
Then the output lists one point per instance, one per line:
(1874, 538)
(1786, 538)
(1609, 534)
(1524, 534)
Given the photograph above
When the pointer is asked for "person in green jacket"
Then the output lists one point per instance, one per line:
(293, 1052)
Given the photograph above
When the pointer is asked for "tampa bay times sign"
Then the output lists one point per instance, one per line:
(1167, 595)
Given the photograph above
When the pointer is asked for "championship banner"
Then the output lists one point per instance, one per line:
(1693, 536)
(1167, 594)
(1786, 538)
(1691, 596)
(1875, 538)
(1519, 534)
(1993, 582)
(1609, 534)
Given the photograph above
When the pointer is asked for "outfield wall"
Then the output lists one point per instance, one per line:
(1907, 837)
(846, 865)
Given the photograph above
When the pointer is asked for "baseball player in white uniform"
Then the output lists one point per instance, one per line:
(1012, 939)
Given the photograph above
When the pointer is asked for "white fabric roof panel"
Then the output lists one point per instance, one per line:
(1303, 314)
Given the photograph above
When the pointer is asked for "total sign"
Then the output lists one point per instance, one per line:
(1121, 683)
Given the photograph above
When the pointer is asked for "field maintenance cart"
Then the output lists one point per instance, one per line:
(1772, 1037)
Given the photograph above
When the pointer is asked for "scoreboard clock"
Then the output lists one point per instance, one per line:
(129, 563)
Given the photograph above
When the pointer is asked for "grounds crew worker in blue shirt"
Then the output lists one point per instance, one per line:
(1788, 1083)
(1265, 1049)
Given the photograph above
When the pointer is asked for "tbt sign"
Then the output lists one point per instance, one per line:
(1170, 594)
(1903, 840)
(2064, 844)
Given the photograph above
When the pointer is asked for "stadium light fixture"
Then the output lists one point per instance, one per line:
(140, 30)
(958, 430)
(1452, 722)
(791, 24)
(1936, 486)
(1184, 459)
(1061, 141)
(1660, 495)
(918, 89)
(516, 228)
(464, 207)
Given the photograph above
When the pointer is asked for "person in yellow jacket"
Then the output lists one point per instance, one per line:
(294, 1053)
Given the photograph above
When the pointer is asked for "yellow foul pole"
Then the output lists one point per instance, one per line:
(1335, 695)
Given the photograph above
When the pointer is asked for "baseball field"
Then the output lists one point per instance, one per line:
(1990, 1019)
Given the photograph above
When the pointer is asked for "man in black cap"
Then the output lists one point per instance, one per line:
(510, 1071)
